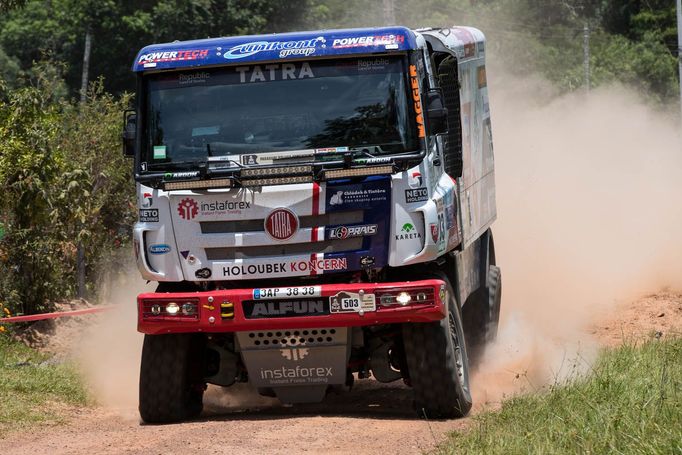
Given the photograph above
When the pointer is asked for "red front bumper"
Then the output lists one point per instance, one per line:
(209, 317)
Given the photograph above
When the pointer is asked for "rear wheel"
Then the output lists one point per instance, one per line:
(481, 312)
(171, 378)
(437, 363)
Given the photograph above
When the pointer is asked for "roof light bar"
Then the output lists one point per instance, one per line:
(278, 181)
(197, 184)
(357, 172)
(268, 171)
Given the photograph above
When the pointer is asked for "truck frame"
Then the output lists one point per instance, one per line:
(316, 209)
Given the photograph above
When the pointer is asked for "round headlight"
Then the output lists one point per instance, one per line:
(156, 309)
(404, 298)
(172, 308)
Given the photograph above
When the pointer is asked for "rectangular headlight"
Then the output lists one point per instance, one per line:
(357, 172)
(278, 181)
(197, 184)
(267, 171)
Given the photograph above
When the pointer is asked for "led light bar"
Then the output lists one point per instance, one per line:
(197, 184)
(278, 181)
(268, 171)
(357, 172)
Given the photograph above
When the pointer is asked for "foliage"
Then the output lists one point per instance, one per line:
(32, 386)
(121, 28)
(630, 403)
(64, 183)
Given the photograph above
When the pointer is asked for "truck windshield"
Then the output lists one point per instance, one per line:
(246, 113)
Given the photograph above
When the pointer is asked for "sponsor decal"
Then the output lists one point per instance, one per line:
(345, 232)
(434, 232)
(294, 354)
(372, 64)
(467, 39)
(350, 302)
(159, 152)
(408, 232)
(378, 160)
(418, 195)
(302, 48)
(180, 175)
(188, 208)
(249, 160)
(482, 80)
(441, 226)
(414, 179)
(284, 293)
(173, 56)
(366, 41)
(416, 97)
(193, 78)
(284, 308)
(281, 224)
(367, 261)
(218, 207)
(147, 200)
(149, 215)
(204, 273)
(268, 73)
(358, 196)
(302, 266)
(312, 374)
(160, 248)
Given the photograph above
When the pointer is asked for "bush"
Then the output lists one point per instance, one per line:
(66, 186)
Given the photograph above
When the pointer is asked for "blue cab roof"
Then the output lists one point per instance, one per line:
(278, 46)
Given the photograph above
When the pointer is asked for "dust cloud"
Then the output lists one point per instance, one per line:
(109, 352)
(588, 193)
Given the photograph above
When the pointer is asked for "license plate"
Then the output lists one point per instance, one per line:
(349, 302)
(287, 293)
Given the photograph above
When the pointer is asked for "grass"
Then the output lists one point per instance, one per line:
(33, 389)
(631, 403)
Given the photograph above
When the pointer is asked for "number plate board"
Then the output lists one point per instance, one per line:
(287, 293)
(350, 302)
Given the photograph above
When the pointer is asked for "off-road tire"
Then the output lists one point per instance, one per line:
(171, 378)
(481, 314)
(494, 302)
(437, 363)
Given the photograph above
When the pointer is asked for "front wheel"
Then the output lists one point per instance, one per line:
(171, 378)
(438, 364)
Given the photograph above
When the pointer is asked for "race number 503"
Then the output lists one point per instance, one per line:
(349, 302)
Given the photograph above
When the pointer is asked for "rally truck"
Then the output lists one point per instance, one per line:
(316, 209)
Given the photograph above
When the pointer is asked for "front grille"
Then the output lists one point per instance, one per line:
(294, 337)
(237, 226)
(289, 249)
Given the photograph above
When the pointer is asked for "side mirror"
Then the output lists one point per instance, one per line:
(436, 112)
(129, 132)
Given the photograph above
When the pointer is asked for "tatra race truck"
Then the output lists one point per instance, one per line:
(316, 208)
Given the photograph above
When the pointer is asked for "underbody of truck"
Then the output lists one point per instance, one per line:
(316, 208)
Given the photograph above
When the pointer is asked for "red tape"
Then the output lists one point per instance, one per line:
(61, 314)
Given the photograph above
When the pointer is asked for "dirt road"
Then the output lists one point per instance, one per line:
(373, 418)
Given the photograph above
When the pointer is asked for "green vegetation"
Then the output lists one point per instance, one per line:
(32, 388)
(631, 402)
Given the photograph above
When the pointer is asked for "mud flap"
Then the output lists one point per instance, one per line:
(298, 364)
